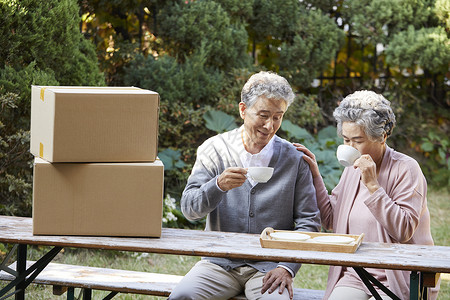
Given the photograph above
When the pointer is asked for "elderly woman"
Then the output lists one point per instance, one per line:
(219, 189)
(383, 194)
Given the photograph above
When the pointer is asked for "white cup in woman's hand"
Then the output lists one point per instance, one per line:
(347, 155)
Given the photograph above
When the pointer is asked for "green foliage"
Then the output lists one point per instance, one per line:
(323, 145)
(275, 19)
(191, 82)
(296, 42)
(426, 47)
(171, 159)
(327, 6)
(316, 41)
(230, 93)
(442, 11)
(219, 121)
(436, 146)
(15, 159)
(185, 28)
(296, 132)
(15, 168)
(375, 21)
(305, 111)
(238, 10)
(47, 33)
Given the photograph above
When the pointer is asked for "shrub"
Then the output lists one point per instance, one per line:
(41, 45)
(15, 167)
(15, 158)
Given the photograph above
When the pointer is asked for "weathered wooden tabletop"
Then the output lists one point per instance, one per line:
(435, 259)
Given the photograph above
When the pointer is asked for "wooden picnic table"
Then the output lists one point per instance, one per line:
(421, 260)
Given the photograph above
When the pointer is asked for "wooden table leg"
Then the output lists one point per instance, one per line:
(430, 279)
(426, 280)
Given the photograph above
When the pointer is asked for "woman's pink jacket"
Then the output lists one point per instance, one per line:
(400, 206)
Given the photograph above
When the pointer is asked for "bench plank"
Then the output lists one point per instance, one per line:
(104, 279)
(123, 281)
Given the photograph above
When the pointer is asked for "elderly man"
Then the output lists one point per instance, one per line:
(219, 189)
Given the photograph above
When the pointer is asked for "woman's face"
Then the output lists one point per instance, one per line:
(355, 136)
(261, 121)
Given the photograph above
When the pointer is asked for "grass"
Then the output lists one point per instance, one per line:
(309, 276)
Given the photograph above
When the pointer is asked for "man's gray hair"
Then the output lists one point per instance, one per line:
(368, 109)
(269, 85)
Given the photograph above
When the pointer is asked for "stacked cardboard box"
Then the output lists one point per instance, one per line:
(96, 171)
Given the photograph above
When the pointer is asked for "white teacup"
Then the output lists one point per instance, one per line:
(347, 155)
(260, 174)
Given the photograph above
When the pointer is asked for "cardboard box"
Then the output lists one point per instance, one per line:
(98, 199)
(94, 124)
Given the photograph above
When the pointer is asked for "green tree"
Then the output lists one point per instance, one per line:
(427, 48)
(315, 44)
(442, 11)
(41, 44)
(188, 27)
(47, 33)
(15, 158)
(293, 40)
(120, 30)
(376, 21)
(15, 181)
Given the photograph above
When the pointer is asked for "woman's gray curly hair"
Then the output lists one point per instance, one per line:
(267, 84)
(368, 109)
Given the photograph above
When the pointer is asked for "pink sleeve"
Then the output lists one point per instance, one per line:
(324, 203)
(399, 205)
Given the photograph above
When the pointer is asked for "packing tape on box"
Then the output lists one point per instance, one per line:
(41, 150)
(42, 93)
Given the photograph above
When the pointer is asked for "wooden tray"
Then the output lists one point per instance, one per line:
(309, 245)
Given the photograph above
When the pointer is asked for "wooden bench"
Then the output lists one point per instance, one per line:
(65, 277)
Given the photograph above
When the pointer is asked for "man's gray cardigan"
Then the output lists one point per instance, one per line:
(286, 202)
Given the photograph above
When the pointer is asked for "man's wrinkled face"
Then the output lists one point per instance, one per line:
(261, 121)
